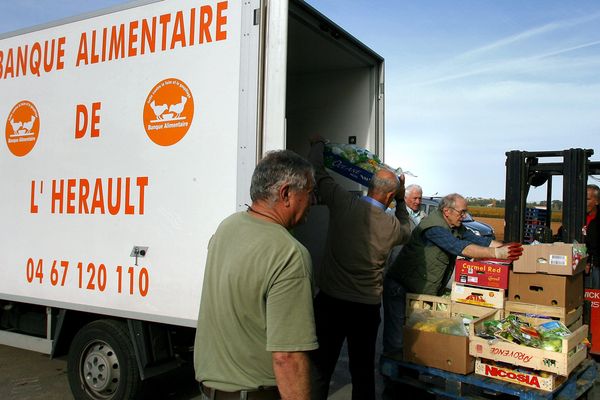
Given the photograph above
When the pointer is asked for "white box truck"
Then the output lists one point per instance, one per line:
(129, 135)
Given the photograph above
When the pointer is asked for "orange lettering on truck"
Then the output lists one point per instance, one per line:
(115, 195)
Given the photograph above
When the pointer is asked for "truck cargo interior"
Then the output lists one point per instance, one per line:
(333, 84)
(334, 89)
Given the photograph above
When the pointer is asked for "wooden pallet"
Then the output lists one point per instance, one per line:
(472, 387)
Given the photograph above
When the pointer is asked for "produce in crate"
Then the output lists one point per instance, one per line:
(547, 336)
(425, 321)
(553, 332)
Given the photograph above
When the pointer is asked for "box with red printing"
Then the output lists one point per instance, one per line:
(530, 378)
(482, 273)
(593, 297)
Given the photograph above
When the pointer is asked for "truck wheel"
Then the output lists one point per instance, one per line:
(101, 363)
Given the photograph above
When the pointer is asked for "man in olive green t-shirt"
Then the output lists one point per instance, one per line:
(256, 321)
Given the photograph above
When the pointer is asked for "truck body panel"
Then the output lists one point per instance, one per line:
(78, 206)
(138, 132)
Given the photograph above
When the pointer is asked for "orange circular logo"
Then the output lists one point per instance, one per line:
(22, 128)
(168, 112)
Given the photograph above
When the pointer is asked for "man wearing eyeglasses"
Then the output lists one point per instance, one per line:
(425, 264)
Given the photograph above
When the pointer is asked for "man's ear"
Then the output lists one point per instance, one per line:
(284, 194)
(388, 198)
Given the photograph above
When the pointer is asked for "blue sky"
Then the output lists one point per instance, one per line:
(466, 80)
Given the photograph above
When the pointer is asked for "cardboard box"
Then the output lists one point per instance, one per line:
(521, 376)
(423, 302)
(537, 314)
(443, 307)
(482, 274)
(485, 297)
(474, 311)
(438, 350)
(547, 290)
(551, 258)
(573, 351)
(447, 352)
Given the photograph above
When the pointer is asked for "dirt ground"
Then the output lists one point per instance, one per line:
(498, 225)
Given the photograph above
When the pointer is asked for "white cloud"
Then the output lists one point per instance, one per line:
(529, 34)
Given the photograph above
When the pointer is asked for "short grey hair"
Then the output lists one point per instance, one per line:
(384, 185)
(413, 188)
(449, 201)
(278, 168)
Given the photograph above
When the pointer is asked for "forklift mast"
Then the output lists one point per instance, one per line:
(525, 169)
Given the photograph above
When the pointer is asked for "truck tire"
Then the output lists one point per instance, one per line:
(101, 363)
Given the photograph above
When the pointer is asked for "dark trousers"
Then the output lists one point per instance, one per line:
(337, 320)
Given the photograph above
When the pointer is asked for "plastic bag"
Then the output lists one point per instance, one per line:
(547, 336)
(520, 332)
(361, 158)
(579, 253)
(511, 329)
(553, 332)
(426, 322)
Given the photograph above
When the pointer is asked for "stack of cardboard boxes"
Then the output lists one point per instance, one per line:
(440, 350)
(478, 293)
(481, 283)
(549, 275)
(545, 284)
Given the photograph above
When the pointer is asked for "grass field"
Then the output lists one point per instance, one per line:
(498, 225)
(496, 212)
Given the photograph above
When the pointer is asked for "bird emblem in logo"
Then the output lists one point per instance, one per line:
(22, 128)
(168, 112)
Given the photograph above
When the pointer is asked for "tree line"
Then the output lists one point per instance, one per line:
(556, 205)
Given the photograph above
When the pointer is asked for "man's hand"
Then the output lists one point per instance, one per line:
(400, 194)
(316, 138)
(509, 251)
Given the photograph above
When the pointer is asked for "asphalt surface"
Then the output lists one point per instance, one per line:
(27, 375)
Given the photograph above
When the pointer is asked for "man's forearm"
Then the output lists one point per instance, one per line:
(402, 216)
(325, 183)
(476, 251)
(315, 155)
(292, 373)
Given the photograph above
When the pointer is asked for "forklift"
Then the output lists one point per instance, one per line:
(526, 169)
